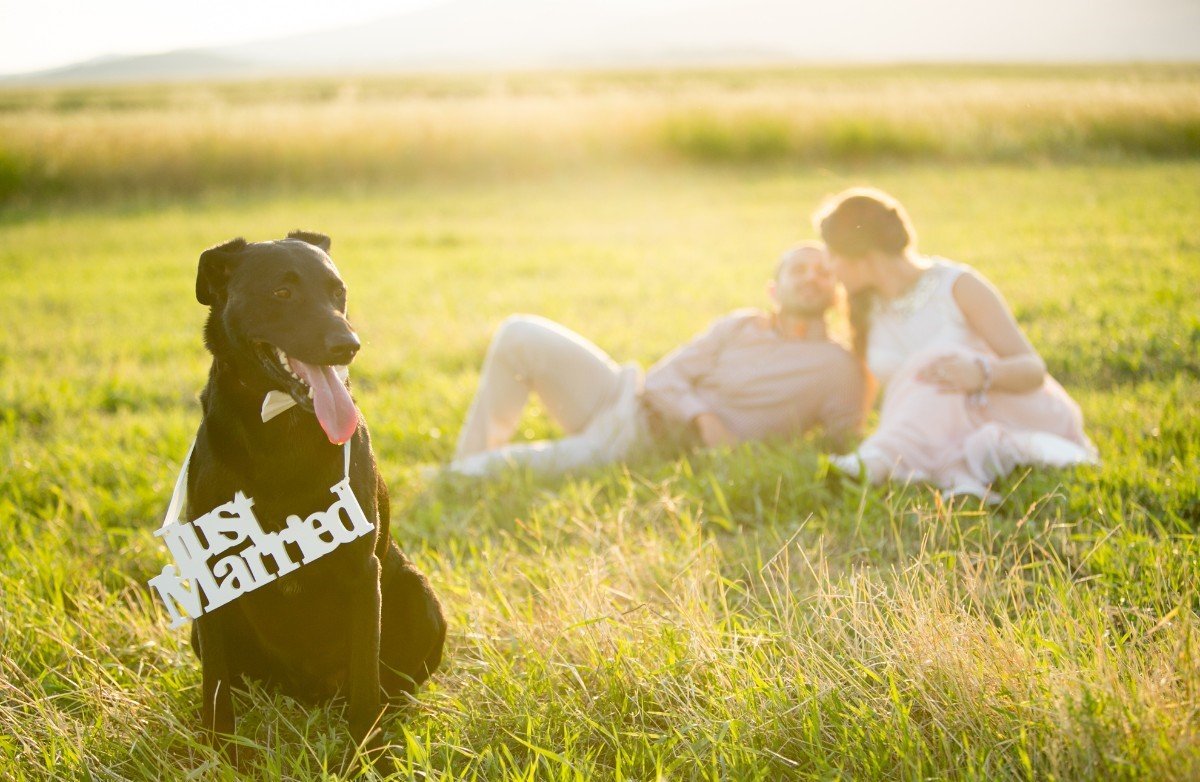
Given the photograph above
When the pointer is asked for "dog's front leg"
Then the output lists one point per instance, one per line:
(216, 711)
(366, 704)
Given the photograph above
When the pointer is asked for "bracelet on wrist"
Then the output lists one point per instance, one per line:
(979, 396)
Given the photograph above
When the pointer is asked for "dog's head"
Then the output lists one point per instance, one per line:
(278, 318)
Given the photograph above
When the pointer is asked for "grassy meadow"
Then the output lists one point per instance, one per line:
(731, 614)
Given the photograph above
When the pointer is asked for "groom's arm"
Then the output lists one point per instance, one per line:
(671, 383)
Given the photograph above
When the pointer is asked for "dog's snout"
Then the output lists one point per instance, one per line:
(342, 347)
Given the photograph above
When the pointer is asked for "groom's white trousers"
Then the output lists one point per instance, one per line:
(596, 401)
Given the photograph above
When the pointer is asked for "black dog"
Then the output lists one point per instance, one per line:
(361, 621)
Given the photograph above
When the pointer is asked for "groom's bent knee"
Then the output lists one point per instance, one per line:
(518, 331)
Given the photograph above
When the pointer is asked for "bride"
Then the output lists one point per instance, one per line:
(966, 398)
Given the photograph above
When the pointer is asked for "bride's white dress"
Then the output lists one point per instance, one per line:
(952, 440)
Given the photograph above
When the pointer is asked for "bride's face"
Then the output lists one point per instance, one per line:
(853, 273)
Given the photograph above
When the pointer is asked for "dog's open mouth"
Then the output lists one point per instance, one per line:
(318, 388)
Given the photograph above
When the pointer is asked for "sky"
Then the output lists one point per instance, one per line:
(37, 34)
(41, 34)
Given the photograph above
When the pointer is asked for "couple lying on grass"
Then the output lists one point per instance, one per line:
(966, 398)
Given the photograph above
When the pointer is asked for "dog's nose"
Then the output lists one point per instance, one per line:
(342, 347)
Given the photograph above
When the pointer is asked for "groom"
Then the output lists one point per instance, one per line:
(752, 375)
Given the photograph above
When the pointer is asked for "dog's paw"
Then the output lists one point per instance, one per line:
(236, 756)
(378, 760)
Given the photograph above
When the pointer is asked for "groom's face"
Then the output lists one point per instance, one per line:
(804, 284)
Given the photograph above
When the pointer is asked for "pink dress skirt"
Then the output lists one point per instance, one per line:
(960, 445)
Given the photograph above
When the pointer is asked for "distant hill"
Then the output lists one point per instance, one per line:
(481, 34)
(170, 66)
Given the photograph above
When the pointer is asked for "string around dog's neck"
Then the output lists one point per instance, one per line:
(274, 403)
(178, 504)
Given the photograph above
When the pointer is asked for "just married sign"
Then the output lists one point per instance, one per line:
(190, 588)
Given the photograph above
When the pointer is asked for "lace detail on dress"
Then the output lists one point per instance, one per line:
(916, 297)
(924, 316)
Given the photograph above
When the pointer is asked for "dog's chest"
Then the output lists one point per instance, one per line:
(328, 577)
(299, 554)
(304, 616)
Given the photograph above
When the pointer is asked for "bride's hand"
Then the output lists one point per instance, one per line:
(953, 374)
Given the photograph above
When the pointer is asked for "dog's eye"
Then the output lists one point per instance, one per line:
(283, 293)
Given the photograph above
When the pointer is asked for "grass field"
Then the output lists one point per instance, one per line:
(157, 141)
(736, 614)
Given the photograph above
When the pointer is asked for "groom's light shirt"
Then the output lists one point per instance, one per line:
(760, 383)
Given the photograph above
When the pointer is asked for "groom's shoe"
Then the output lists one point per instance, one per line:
(847, 464)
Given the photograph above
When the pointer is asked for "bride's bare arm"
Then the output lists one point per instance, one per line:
(1019, 368)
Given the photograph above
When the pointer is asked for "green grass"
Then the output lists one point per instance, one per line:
(719, 615)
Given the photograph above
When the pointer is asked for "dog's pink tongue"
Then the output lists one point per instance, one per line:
(331, 401)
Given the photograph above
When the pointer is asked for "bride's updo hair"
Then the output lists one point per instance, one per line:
(861, 220)
(853, 224)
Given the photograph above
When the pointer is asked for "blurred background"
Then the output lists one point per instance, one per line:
(137, 98)
(632, 169)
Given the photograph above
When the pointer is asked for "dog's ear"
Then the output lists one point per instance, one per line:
(216, 264)
(313, 238)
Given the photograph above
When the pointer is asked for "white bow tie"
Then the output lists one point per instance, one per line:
(276, 402)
